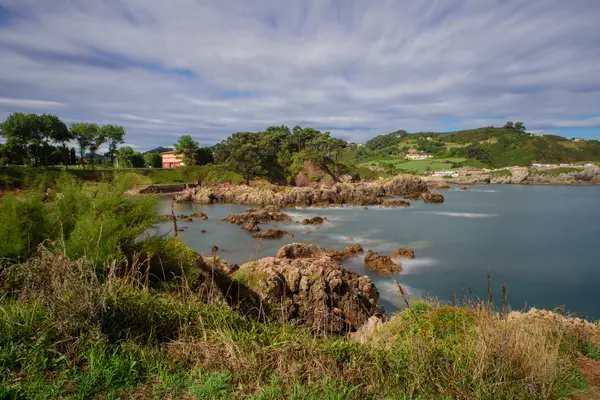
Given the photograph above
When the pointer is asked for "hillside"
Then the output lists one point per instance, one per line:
(483, 147)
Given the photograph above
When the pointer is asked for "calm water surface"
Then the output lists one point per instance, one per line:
(542, 241)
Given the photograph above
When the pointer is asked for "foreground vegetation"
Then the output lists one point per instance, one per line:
(93, 307)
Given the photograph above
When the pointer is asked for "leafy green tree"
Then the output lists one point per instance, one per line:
(137, 160)
(72, 156)
(509, 125)
(124, 156)
(152, 159)
(204, 156)
(115, 135)
(188, 148)
(56, 130)
(23, 137)
(520, 127)
(86, 135)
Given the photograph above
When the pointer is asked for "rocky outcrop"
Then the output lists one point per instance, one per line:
(199, 215)
(314, 221)
(406, 253)
(250, 227)
(164, 189)
(361, 193)
(271, 234)
(256, 217)
(314, 290)
(396, 203)
(381, 263)
(299, 250)
(439, 186)
(350, 251)
(432, 197)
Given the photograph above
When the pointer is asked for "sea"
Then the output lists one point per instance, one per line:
(541, 242)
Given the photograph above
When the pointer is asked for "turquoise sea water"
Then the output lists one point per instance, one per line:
(542, 241)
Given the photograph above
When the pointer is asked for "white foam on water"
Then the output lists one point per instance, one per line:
(416, 265)
(389, 291)
(483, 191)
(461, 214)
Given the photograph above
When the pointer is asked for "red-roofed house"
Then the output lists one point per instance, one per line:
(170, 159)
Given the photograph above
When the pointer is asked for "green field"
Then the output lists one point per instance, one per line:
(418, 166)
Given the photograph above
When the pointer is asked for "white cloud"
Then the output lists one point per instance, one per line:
(355, 68)
(29, 103)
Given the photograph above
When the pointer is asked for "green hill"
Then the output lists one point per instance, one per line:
(482, 147)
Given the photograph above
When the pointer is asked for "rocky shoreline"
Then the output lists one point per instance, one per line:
(357, 194)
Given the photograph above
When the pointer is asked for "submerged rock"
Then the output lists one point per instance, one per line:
(406, 253)
(316, 291)
(314, 221)
(256, 217)
(381, 263)
(250, 227)
(271, 234)
(199, 215)
(432, 197)
(396, 203)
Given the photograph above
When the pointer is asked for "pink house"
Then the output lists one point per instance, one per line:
(170, 159)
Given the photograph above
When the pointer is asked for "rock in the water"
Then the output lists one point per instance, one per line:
(396, 203)
(271, 234)
(298, 250)
(250, 227)
(165, 218)
(350, 251)
(256, 217)
(432, 197)
(316, 291)
(188, 219)
(203, 231)
(314, 221)
(464, 188)
(381, 263)
(199, 215)
(439, 186)
(406, 253)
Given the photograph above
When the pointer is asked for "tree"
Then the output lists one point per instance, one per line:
(115, 135)
(123, 157)
(23, 137)
(56, 130)
(98, 140)
(137, 160)
(72, 156)
(152, 159)
(520, 127)
(86, 136)
(509, 125)
(204, 156)
(187, 147)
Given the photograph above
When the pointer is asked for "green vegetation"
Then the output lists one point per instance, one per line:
(93, 306)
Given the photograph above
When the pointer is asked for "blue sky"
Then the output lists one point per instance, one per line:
(356, 68)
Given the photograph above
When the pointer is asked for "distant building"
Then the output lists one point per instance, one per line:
(170, 159)
(418, 156)
(578, 139)
(429, 138)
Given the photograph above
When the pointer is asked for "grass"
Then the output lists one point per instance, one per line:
(138, 317)
(418, 166)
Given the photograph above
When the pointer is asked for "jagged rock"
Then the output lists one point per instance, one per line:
(361, 193)
(314, 291)
(298, 250)
(439, 186)
(432, 197)
(365, 333)
(464, 188)
(199, 215)
(396, 203)
(188, 219)
(350, 251)
(256, 217)
(271, 234)
(314, 221)
(381, 263)
(406, 253)
(250, 227)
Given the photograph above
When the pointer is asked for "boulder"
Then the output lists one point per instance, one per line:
(406, 253)
(314, 221)
(271, 234)
(439, 186)
(199, 215)
(381, 263)
(250, 227)
(315, 291)
(256, 217)
(350, 251)
(464, 188)
(299, 250)
(432, 197)
(396, 203)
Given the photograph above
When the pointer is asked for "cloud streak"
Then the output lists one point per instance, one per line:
(355, 68)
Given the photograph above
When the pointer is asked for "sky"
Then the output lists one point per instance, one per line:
(356, 68)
